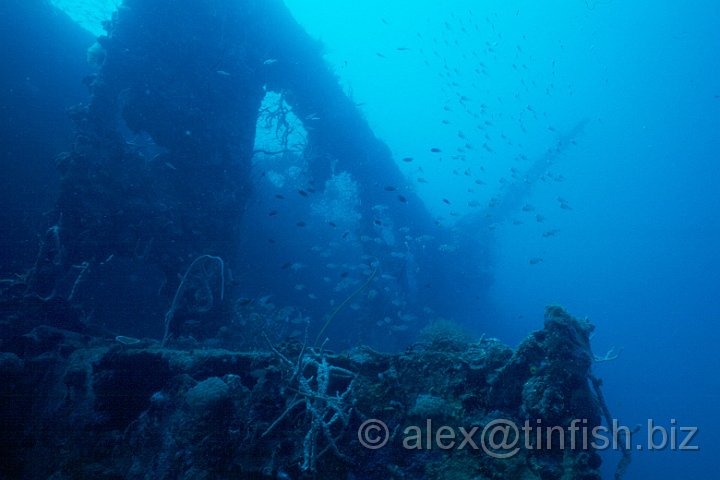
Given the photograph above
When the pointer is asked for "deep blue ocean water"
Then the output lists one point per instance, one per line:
(638, 253)
(623, 227)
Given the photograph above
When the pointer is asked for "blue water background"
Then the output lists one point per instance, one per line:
(637, 251)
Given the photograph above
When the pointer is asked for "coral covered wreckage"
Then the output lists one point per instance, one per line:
(78, 401)
(103, 408)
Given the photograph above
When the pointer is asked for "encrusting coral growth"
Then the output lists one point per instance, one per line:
(138, 410)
